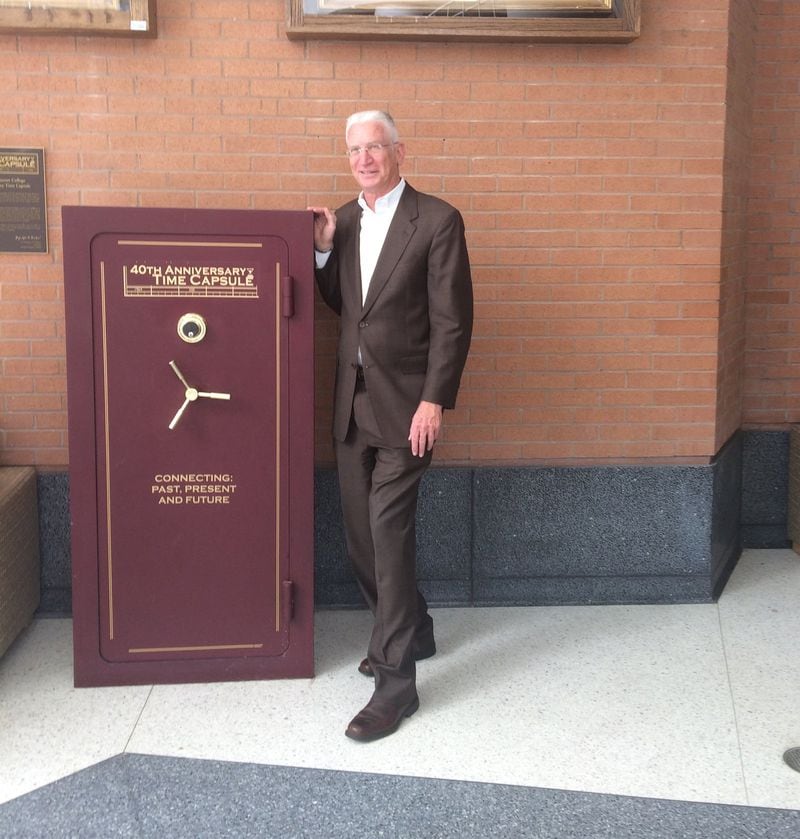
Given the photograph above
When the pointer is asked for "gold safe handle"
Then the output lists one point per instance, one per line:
(192, 394)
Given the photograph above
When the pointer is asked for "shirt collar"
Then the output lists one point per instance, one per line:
(386, 203)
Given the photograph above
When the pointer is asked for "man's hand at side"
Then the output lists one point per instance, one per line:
(425, 426)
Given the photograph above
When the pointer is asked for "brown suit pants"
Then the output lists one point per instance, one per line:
(379, 486)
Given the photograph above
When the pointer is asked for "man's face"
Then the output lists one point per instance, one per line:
(377, 173)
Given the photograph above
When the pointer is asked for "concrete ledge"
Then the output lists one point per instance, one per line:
(19, 552)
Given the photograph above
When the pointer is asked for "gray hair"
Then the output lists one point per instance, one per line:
(384, 117)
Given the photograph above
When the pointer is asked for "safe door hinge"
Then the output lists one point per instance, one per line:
(287, 297)
(287, 601)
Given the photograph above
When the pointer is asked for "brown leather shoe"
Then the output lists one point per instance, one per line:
(378, 719)
(365, 668)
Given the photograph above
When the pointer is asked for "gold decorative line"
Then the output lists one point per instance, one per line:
(277, 447)
(173, 291)
(190, 244)
(108, 453)
(195, 649)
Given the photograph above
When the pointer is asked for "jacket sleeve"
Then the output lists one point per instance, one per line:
(450, 311)
(328, 282)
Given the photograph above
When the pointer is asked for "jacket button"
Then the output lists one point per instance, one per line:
(363, 324)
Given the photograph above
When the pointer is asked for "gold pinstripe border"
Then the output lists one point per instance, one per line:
(107, 449)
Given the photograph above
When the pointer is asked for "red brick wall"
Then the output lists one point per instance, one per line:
(590, 178)
(772, 360)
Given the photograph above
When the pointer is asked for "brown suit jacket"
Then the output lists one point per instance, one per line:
(415, 326)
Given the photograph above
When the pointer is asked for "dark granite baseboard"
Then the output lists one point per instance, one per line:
(587, 591)
(542, 535)
(765, 489)
(54, 548)
(608, 534)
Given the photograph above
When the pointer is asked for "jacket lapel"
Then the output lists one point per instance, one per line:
(400, 232)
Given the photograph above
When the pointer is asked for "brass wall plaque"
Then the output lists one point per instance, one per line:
(23, 207)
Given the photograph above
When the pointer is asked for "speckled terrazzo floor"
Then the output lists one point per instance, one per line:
(612, 721)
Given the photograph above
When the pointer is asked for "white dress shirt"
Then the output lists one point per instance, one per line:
(374, 227)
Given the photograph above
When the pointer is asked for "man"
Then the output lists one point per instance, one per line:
(393, 264)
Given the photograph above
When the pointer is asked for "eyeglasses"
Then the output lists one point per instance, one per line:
(372, 148)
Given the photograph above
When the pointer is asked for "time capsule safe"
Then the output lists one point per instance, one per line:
(190, 390)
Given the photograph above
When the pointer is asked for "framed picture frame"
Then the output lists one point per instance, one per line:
(79, 17)
(600, 21)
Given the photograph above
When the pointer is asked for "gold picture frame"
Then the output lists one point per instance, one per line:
(599, 21)
(135, 18)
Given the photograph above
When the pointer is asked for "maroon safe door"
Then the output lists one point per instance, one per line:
(190, 368)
